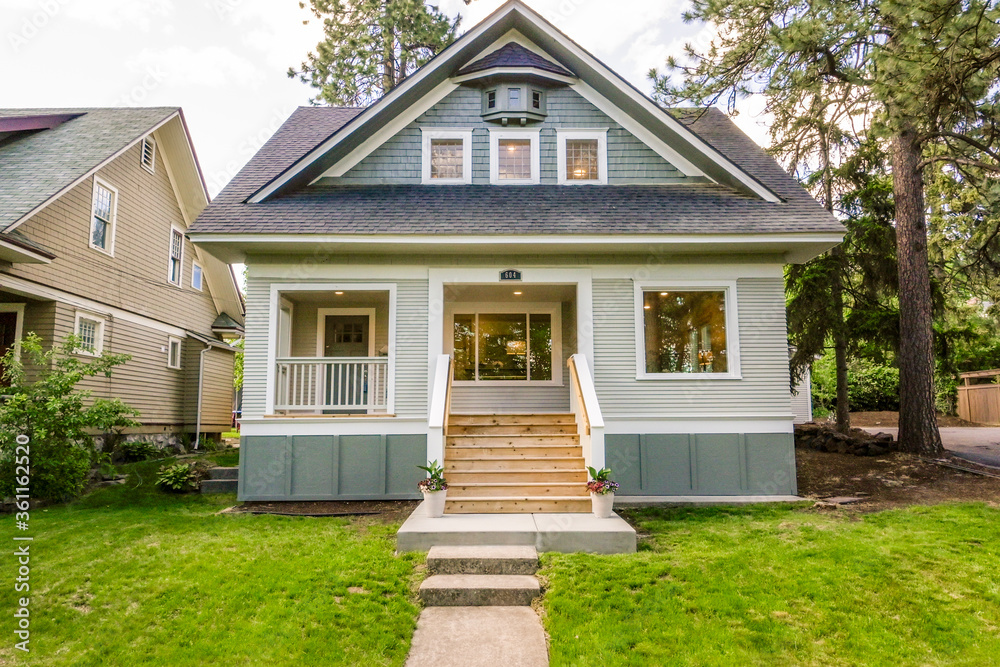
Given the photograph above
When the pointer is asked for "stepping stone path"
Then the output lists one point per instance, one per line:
(478, 609)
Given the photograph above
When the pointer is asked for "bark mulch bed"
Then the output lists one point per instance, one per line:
(891, 419)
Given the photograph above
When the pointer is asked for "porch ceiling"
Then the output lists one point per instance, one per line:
(492, 293)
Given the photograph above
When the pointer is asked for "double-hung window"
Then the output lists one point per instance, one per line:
(89, 331)
(173, 352)
(687, 330)
(104, 208)
(514, 157)
(447, 156)
(176, 256)
(583, 157)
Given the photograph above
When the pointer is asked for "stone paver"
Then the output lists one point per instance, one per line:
(478, 637)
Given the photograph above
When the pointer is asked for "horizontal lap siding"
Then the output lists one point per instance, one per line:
(217, 391)
(398, 160)
(488, 400)
(255, 348)
(763, 351)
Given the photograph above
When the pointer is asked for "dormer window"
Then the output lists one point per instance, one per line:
(583, 157)
(514, 99)
(514, 157)
(447, 157)
(491, 99)
(513, 103)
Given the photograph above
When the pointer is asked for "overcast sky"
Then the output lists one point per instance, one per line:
(224, 61)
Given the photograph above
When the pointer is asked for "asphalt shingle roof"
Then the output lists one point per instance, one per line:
(38, 165)
(523, 210)
(514, 55)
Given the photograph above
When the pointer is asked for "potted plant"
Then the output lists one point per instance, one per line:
(434, 488)
(602, 492)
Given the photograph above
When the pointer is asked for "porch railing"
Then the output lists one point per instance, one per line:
(349, 384)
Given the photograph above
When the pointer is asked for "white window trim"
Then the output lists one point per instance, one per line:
(321, 314)
(602, 155)
(18, 310)
(495, 137)
(552, 308)
(151, 168)
(732, 328)
(180, 273)
(200, 268)
(112, 226)
(466, 136)
(98, 335)
(180, 351)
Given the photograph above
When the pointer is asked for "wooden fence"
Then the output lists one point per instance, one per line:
(979, 403)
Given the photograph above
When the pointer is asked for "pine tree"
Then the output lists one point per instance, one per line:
(369, 46)
(922, 73)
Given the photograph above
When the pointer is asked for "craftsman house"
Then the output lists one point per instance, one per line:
(94, 209)
(516, 263)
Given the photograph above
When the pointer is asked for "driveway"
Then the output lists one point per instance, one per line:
(979, 444)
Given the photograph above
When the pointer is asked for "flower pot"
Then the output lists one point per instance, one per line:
(434, 502)
(602, 504)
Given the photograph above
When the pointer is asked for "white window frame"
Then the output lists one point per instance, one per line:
(602, 155)
(18, 310)
(170, 259)
(495, 137)
(112, 225)
(171, 340)
(466, 136)
(728, 287)
(98, 334)
(551, 308)
(201, 274)
(150, 141)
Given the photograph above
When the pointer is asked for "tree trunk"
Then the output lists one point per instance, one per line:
(840, 343)
(918, 431)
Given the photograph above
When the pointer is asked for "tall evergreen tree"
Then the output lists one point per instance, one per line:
(369, 46)
(922, 73)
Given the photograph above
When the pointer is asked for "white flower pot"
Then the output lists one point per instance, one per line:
(602, 504)
(434, 502)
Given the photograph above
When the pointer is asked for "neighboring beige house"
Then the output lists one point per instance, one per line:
(94, 208)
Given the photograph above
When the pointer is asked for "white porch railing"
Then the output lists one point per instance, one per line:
(589, 420)
(332, 383)
(440, 407)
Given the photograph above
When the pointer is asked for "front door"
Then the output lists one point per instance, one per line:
(8, 329)
(346, 383)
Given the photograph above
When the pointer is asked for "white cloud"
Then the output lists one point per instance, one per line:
(117, 14)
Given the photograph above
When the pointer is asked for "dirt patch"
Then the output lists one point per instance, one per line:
(893, 480)
(386, 511)
(891, 419)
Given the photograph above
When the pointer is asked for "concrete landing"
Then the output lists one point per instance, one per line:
(478, 637)
(566, 533)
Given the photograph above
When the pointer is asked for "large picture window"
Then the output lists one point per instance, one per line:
(497, 347)
(685, 331)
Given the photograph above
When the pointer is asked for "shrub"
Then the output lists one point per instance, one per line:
(870, 387)
(56, 417)
(137, 450)
(178, 478)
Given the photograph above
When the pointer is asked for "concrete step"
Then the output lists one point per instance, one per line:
(486, 475)
(219, 485)
(520, 505)
(540, 418)
(224, 473)
(507, 463)
(509, 439)
(478, 637)
(511, 429)
(517, 489)
(479, 590)
(509, 451)
(483, 560)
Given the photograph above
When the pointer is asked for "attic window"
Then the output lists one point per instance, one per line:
(491, 99)
(149, 153)
(447, 157)
(104, 206)
(583, 156)
(536, 100)
(176, 256)
(514, 157)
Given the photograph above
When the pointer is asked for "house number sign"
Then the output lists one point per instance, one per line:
(510, 274)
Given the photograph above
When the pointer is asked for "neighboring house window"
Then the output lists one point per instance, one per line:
(514, 156)
(176, 256)
(173, 353)
(583, 156)
(89, 330)
(447, 156)
(196, 276)
(103, 213)
(687, 331)
(149, 153)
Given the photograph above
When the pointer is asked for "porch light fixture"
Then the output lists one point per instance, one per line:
(339, 293)
(518, 293)
(646, 307)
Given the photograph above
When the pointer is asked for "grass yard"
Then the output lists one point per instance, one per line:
(785, 586)
(131, 576)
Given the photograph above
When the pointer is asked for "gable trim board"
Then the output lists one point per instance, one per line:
(316, 162)
(11, 251)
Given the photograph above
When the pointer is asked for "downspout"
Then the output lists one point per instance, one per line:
(201, 384)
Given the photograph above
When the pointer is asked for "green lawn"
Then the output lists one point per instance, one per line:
(782, 586)
(131, 576)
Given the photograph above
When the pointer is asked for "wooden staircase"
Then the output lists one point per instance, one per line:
(514, 464)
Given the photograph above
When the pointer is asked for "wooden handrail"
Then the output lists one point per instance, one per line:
(575, 379)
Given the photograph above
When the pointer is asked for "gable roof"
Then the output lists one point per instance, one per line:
(636, 111)
(514, 55)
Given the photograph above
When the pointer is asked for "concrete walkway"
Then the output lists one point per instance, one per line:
(478, 637)
(978, 444)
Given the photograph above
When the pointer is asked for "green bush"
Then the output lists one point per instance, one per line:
(56, 418)
(178, 478)
(870, 387)
(137, 450)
